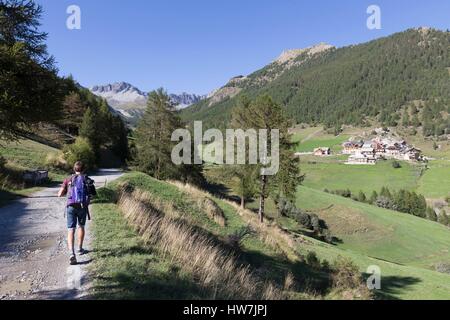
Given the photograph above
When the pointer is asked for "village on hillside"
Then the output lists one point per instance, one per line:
(380, 148)
(368, 152)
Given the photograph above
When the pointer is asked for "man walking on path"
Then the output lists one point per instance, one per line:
(79, 188)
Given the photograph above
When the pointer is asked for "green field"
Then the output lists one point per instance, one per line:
(435, 183)
(398, 282)
(405, 247)
(333, 174)
(26, 153)
(322, 140)
(338, 176)
(376, 232)
(23, 155)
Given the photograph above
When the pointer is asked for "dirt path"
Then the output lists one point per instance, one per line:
(33, 249)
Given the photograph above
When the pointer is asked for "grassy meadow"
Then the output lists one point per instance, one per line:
(432, 180)
(379, 233)
(23, 155)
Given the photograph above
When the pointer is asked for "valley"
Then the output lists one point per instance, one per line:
(323, 175)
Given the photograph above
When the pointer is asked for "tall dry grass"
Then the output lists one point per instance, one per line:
(214, 269)
(269, 232)
(204, 202)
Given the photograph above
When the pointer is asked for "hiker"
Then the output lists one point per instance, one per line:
(79, 189)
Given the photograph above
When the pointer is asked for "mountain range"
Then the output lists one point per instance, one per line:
(350, 85)
(131, 102)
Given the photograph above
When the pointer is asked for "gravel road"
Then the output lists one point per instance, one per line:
(33, 248)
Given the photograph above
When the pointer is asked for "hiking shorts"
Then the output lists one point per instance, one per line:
(76, 216)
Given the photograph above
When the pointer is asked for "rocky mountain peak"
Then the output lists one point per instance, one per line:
(289, 55)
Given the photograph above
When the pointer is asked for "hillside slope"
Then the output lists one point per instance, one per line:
(328, 85)
(379, 233)
(267, 251)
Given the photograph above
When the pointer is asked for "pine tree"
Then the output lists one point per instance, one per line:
(385, 193)
(119, 138)
(91, 128)
(405, 119)
(73, 112)
(153, 136)
(246, 174)
(362, 197)
(264, 113)
(19, 23)
(31, 91)
(373, 197)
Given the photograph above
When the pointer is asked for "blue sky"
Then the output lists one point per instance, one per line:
(198, 45)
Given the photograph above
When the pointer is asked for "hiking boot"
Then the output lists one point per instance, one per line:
(73, 260)
(82, 252)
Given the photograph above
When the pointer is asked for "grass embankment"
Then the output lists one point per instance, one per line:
(20, 156)
(166, 243)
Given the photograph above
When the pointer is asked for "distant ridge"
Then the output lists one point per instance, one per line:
(131, 102)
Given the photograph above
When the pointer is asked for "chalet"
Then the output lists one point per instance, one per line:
(367, 149)
(351, 147)
(379, 147)
(412, 154)
(362, 159)
(393, 151)
(322, 152)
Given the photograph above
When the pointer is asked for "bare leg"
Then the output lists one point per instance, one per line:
(70, 240)
(81, 233)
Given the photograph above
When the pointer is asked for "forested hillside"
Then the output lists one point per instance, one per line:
(347, 85)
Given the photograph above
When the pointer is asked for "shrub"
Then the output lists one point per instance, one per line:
(326, 265)
(347, 280)
(442, 267)
(312, 260)
(55, 160)
(362, 197)
(443, 218)
(385, 202)
(235, 239)
(396, 165)
(344, 193)
(431, 214)
(327, 236)
(285, 208)
(81, 150)
(303, 218)
(315, 223)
